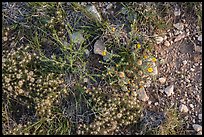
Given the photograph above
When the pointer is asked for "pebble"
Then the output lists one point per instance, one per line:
(5, 38)
(93, 11)
(183, 108)
(169, 90)
(149, 102)
(109, 6)
(185, 62)
(162, 91)
(99, 47)
(179, 37)
(177, 12)
(155, 70)
(159, 40)
(86, 80)
(142, 95)
(176, 32)
(162, 80)
(165, 37)
(187, 30)
(197, 127)
(166, 43)
(179, 26)
(199, 133)
(187, 80)
(191, 105)
(200, 116)
(77, 37)
(170, 34)
(156, 103)
(192, 69)
(200, 38)
(87, 52)
(182, 101)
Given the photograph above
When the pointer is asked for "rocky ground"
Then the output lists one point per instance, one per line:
(178, 81)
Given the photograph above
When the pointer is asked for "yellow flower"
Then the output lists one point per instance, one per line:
(109, 72)
(154, 59)
(113, 29)
(145, 56)
(104, 53)
(117, 65)
(150, 70)
(138, 46)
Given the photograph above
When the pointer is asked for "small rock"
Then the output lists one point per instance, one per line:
(162, 80)
(159, 40)
(200, 38)
(177, 12)
(165, 37)
(166, 43)
(87, 52)
(185, 62)
(156, 103)
(200, 116)
(149, 102)
(124, 88)
(142, 95)
(99, 47)
(109, 6)
(197, 127)
(162, 91)
(182, 101)
(199, 133)
(86, 80)
(192, 69)
(179, 26)
(169, 90)
(187, 30)
(77, 37)
(5, 38)
(187, 80)
(179, 37)
(191, 105)
(183, 108)
(170, 34)
(155, 71)
(176, 32)
(93, 11)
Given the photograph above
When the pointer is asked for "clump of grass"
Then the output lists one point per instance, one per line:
(130, 63)
(172, 125)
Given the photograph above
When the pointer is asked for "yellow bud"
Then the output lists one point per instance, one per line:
(104, 53)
